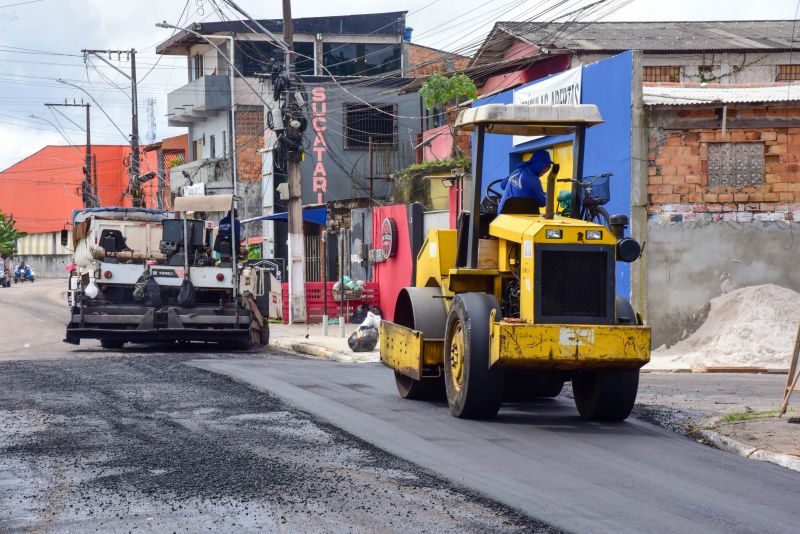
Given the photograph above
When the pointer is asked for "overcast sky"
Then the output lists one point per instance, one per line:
(28, 80)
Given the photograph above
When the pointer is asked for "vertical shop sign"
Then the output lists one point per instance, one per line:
(319, 108)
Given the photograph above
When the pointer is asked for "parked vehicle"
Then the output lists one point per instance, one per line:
(148, 275)
(5, 272)
(25, 274)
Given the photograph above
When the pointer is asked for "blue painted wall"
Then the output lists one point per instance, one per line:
(607, 84)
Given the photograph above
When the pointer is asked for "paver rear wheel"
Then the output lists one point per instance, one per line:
(605, 395)
(112, 343)
(474, 391)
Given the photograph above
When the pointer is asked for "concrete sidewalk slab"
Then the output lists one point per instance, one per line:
(310, 341)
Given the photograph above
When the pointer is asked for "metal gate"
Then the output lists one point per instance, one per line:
(314, 258)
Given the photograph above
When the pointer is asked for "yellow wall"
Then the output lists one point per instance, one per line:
(561, 154)
(440, 195)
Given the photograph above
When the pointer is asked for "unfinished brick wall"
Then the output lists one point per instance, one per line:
(678, 187)
(424, 61)
(249, 139)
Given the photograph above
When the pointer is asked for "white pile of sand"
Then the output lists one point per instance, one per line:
(753, 326)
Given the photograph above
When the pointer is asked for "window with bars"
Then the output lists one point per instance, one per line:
(662, 74)
(735, 164)
(257, 57)
(363, 122)
(788, 72)
(360, 59)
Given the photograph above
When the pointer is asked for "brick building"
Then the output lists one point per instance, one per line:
(424, 61)
(723, 194)
(748, 172)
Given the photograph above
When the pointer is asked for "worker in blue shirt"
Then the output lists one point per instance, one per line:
(230, 225)
(523, 182)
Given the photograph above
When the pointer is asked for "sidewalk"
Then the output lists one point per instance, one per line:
(308, 340)
(733, 412)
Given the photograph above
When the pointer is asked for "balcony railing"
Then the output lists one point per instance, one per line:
(197, 100)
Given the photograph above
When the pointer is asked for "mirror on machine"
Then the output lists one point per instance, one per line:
(64, 237)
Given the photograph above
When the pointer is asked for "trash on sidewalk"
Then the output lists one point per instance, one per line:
(365, 339)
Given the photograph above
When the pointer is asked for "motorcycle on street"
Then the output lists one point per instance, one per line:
(22, 275)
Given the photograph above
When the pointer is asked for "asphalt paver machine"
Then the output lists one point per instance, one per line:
(510, 306)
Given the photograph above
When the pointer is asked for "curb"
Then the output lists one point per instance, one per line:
(325, 353)
(717, 440)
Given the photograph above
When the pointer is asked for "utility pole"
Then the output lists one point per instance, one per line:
(135, 181)
(88, 193)
(297, 273)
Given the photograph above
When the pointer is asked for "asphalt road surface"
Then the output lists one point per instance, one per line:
(154, 439)
(92, 441)
(541, 458)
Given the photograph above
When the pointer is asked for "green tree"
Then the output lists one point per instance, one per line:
(438, 90)
(9, 235)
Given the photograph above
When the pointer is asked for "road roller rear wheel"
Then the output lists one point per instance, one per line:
(605, 395)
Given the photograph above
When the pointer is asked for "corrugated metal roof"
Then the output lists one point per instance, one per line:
(659, 36)
(694, 94)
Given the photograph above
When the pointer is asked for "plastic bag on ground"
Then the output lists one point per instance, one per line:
(186, 297)
(365, 339)
(152, 293)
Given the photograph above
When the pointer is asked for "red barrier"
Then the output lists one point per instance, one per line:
(315, 303)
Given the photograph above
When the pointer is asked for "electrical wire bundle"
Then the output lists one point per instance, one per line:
(289, 120)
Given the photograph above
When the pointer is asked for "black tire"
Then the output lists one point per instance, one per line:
(265, 334)
(474, 391)
(428, 389)
(112, 343)
(526, 385)
(608, 395)
(605, 395)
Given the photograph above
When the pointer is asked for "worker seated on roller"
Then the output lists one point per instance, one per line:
(522, 190)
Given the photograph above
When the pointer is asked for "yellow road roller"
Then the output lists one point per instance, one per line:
(508, 307)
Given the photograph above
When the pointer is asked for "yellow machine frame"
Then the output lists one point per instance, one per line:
(523, 342)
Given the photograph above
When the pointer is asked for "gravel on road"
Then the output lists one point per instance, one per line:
(140, 441)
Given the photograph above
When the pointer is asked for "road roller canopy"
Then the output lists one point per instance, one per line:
(523, 119)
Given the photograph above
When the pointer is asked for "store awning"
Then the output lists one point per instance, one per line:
(316, 215)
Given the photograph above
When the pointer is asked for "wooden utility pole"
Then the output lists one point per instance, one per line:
(89, 193)
(135, 181)
(297, 282)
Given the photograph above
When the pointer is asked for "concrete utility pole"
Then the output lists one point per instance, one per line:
(134, 184)
(89, 193)
(297, 272)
